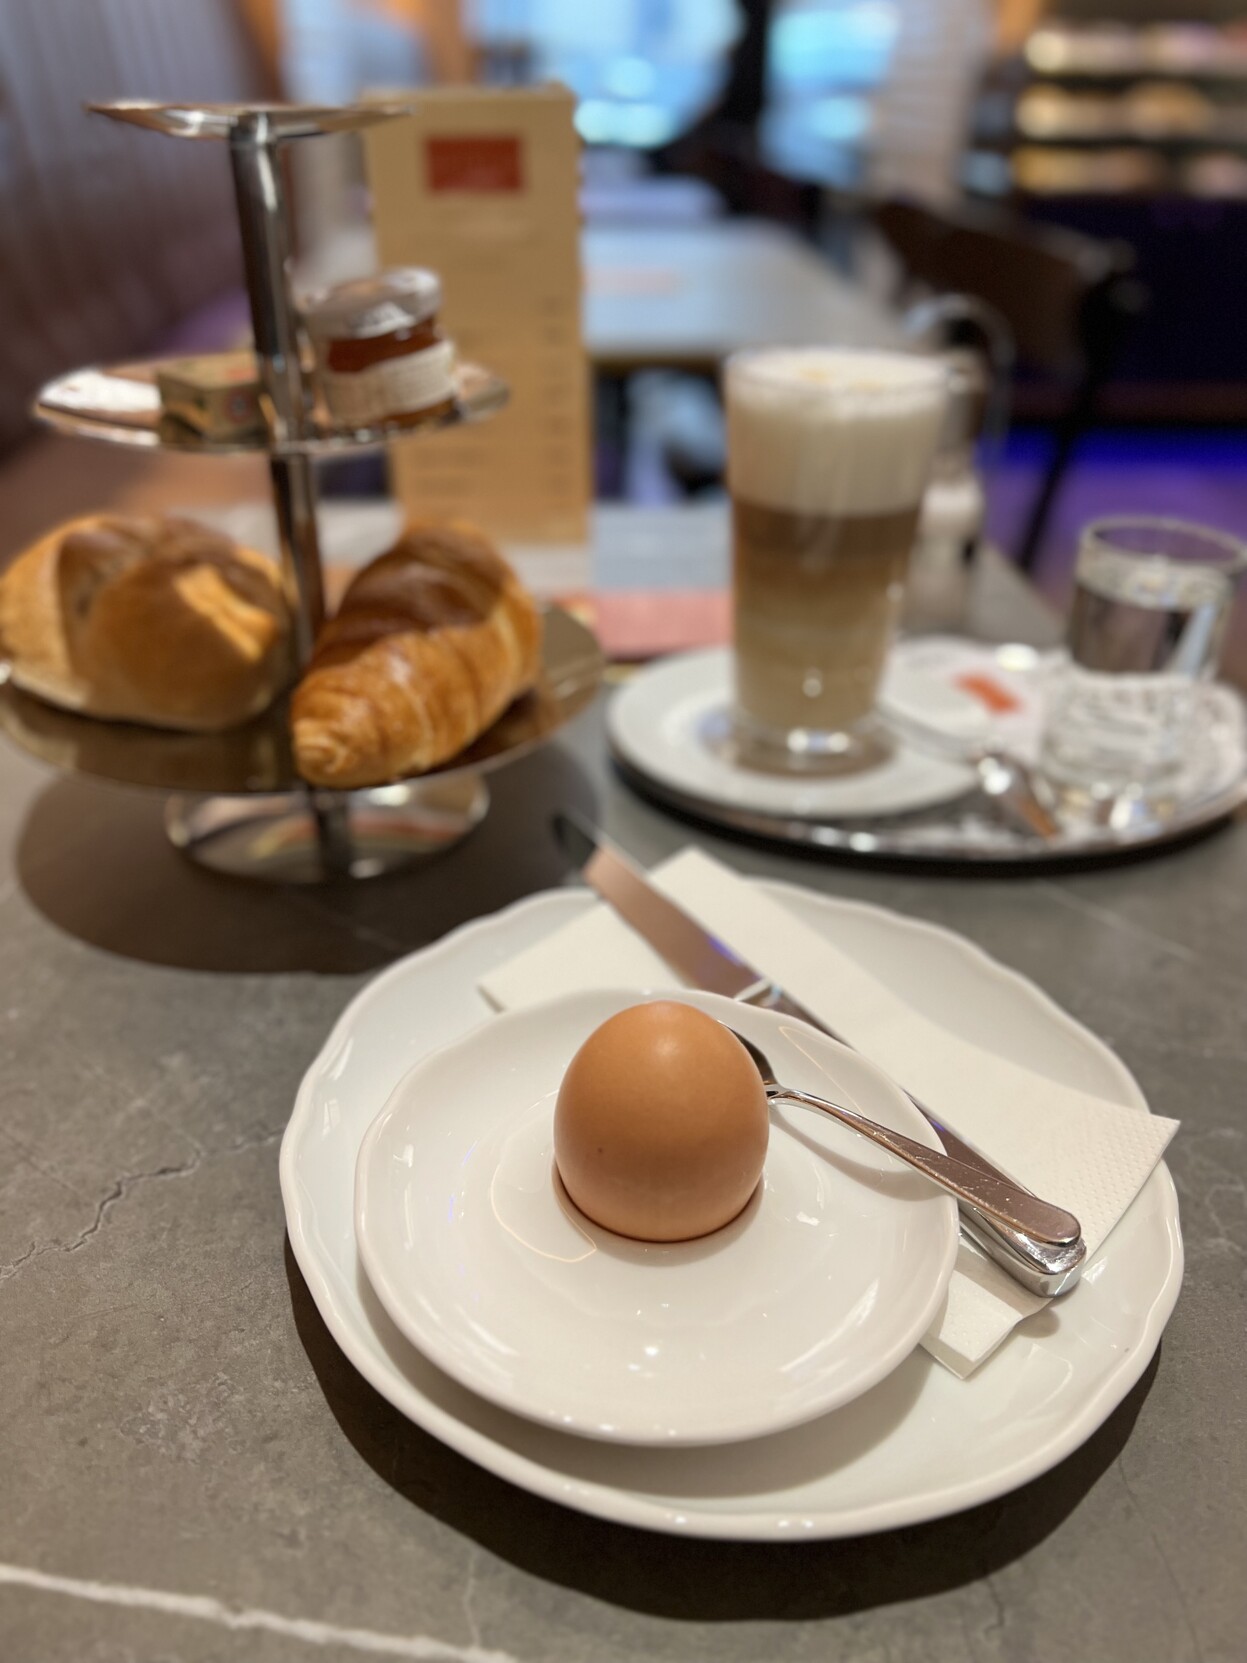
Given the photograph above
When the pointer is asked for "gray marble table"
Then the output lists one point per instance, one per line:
(190, 1471)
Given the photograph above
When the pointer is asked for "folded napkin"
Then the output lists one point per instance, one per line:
(1080, 1151)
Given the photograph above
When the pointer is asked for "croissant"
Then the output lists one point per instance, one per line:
(150, 619)
(432, 642)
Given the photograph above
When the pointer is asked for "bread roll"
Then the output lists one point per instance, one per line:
(152, 620)
(432, 642)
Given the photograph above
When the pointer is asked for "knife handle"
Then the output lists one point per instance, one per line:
(1045, 1268)
(991, 1193)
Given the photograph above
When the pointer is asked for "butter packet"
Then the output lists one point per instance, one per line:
(218, 394)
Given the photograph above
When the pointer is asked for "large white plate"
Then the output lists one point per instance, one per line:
(818, 1289)
(670, 723)
(920, 1444)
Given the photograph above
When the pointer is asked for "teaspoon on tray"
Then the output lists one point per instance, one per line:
(1016, 789)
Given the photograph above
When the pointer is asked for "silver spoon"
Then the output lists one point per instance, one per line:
(1008, 1202)
(1016, 788)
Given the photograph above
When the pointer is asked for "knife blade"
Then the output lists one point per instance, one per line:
(701, 959)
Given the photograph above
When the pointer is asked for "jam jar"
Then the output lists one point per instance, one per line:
(380, 356)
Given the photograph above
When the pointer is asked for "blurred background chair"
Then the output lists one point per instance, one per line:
(1068, 300)
(111, 244)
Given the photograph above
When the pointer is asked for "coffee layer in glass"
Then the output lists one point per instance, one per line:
(829, 454)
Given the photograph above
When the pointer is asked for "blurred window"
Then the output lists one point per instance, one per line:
(826, 61)
(643, 70)
(873, 94)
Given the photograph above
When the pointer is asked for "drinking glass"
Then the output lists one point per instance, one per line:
(829, 453)
(1151, 599)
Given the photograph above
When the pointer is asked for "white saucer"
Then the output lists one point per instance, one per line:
(920, 1444)
(826, 1281)
(671, 723)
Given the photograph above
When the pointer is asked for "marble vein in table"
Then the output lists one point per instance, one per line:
(191, 1471)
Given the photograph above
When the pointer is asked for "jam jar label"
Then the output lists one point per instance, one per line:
(393, 387)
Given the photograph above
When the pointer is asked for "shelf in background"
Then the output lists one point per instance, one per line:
(1110, 52)
(1226, 137)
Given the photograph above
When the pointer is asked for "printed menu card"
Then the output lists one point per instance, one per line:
(480, 185)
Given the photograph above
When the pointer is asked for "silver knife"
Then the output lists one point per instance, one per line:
(1044, 1267)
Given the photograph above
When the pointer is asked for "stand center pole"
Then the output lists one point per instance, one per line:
(264, 224)
(265, 228)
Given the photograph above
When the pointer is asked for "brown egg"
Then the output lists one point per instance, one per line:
(661, 1124)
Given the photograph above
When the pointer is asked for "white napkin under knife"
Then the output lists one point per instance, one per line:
(1080, 1151)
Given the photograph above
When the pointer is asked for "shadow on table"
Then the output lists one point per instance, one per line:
(699, 1580)
(95, 861)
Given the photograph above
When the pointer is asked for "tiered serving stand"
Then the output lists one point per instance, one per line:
(239, 805)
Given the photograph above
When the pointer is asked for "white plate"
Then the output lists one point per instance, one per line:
(921, 1443)
(826, 1281)
(669, 722)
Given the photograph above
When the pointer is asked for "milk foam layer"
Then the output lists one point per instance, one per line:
(824, 431)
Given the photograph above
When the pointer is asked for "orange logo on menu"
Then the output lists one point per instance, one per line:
(482, 162)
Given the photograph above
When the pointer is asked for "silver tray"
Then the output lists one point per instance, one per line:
(969, 831)
(963, 834)
(120, 403)
(272, 122)
(256, 759)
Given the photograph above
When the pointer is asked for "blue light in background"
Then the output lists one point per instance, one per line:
(643, 70)
(814, 47)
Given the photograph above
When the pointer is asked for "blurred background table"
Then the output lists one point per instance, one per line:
(684, 297)
(636, 561)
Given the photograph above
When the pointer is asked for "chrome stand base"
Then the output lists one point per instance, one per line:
(319, 836)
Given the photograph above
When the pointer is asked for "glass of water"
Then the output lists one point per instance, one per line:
(1150, 603)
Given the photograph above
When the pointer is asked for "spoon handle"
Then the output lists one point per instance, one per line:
(990, 1193)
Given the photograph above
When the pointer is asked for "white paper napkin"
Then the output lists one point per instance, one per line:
(1080, 1151)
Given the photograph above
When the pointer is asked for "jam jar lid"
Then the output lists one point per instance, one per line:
(397, 299)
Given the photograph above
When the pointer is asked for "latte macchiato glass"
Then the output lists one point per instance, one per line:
(829, 453)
